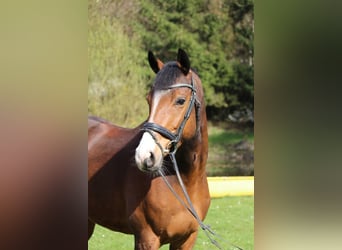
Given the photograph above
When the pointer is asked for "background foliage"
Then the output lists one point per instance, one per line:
(217, 35)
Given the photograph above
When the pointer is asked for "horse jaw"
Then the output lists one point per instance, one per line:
(148, 155)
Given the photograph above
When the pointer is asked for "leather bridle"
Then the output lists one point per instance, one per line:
(174, 138)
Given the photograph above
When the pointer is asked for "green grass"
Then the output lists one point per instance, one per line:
(219, 137)
(230, 217)
(223, 158)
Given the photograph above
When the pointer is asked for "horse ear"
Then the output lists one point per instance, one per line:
(155, 63)
(183, 61)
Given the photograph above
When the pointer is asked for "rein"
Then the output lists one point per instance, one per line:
(207, 230)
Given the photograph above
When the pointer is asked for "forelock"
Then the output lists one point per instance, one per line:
(167, 75)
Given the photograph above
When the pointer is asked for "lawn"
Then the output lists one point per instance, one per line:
(231, 152)
(219, 136)
(230, 217)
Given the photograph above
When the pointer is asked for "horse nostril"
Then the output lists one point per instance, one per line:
(152, 156)
(149, 161)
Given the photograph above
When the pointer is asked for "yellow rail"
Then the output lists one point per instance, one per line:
(231, 186)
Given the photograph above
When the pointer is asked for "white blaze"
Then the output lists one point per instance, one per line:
(156, 99)
(147, 144)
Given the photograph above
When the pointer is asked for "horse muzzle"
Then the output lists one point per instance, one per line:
(148, 156)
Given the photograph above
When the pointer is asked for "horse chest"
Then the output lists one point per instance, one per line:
(166, 216)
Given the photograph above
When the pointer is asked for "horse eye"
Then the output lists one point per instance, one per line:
(180, 101)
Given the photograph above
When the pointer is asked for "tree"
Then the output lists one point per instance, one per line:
(218, 36)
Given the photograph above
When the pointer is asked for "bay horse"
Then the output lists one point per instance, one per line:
(126, 192)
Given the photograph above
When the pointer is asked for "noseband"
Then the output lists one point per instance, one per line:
(174, 138)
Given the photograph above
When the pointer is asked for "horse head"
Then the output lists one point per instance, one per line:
(173, 111)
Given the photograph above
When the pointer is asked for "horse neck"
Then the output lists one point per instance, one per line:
(193, 153)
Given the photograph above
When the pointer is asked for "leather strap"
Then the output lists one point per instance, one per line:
(161, 130)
